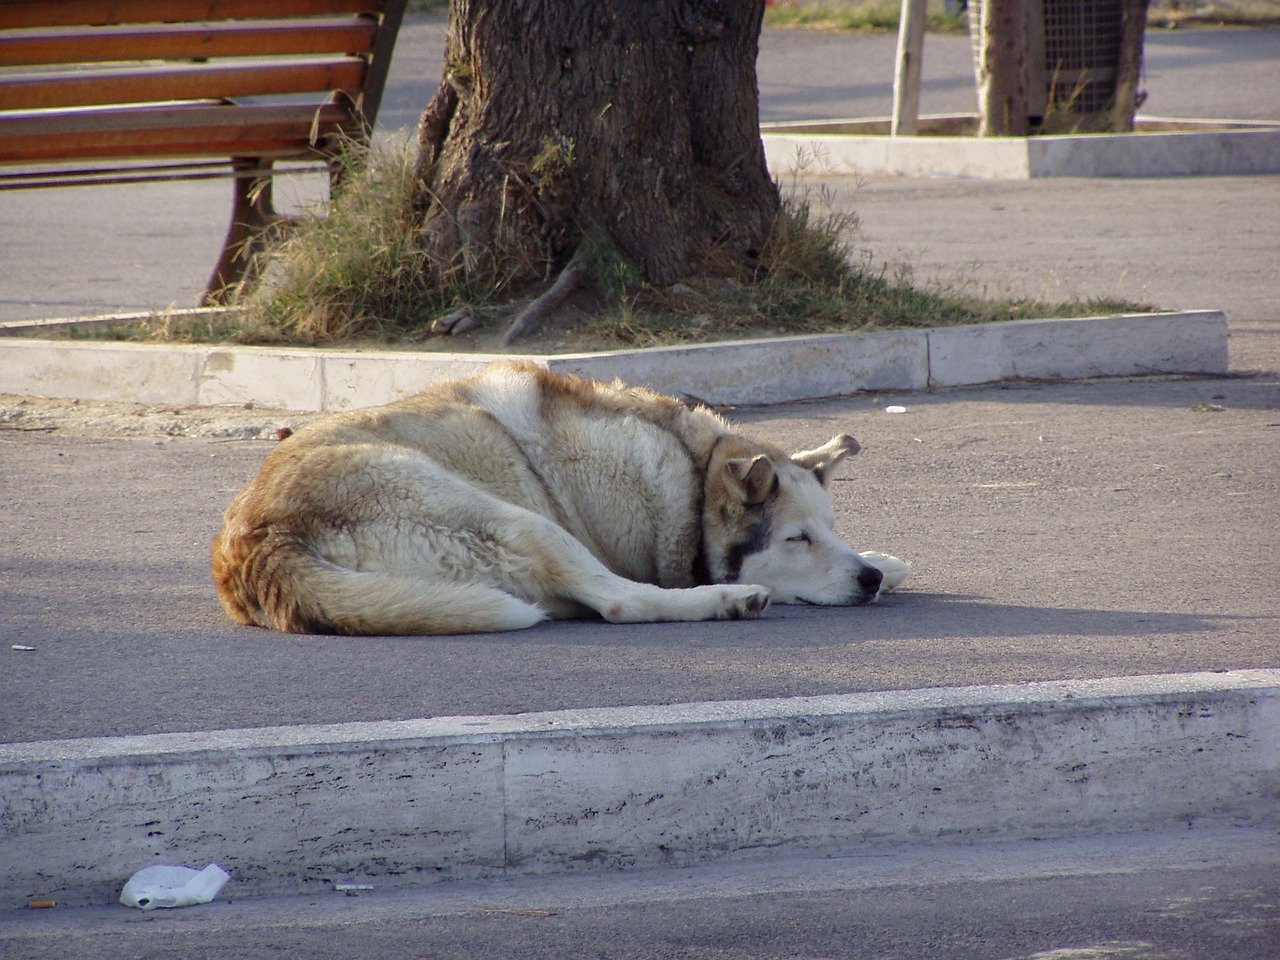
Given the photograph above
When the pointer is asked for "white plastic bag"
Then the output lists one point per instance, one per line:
(894, 570)
(163, 886)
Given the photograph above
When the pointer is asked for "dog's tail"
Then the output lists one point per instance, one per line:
(279, 582)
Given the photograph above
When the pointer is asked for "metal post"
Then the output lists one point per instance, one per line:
(906, 73)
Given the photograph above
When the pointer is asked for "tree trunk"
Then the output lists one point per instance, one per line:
(1129, 67)
(1002, 70)
(631, 124)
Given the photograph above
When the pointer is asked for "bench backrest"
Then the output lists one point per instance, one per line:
(129, 78)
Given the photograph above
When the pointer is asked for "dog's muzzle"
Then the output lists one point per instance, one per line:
(869, 580)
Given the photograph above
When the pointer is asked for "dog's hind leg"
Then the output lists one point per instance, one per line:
(374, 603)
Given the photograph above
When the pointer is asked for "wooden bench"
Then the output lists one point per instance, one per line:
(125, 91)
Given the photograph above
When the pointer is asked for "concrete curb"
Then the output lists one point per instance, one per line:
(746, 372)
(1159, 148)
(286, 808)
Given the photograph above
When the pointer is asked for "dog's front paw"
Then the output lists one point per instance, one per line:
(745, 602)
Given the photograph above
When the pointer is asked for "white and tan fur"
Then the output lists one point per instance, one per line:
(495, 502)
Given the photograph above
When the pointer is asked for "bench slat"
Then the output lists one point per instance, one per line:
(189, 82)
(207, 130)
(44, 13)
(33, 178)
(185, 41)
(139, 115)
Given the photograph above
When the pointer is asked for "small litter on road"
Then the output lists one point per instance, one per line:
(895, 409)
(22, 648)
(165, 886)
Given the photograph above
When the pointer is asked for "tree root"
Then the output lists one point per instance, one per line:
(452, 324)
(537, 314)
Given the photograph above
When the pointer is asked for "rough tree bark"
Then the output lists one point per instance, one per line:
(1129, 68)
(624, 123)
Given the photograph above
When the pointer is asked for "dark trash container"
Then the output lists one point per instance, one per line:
(1074, 54)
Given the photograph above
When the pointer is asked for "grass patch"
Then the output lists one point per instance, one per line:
(1236, 13)
(860, 16)
(865, 16)
(355, 274)
(356, 270)
(815, 281)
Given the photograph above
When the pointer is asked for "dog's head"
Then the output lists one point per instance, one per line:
(768, 521)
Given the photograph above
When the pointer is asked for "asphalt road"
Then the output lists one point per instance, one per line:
(1190, 896)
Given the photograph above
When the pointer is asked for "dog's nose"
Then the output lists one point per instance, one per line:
(869, 579)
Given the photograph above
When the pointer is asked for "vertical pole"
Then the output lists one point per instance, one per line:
(906, 72)
(1002, 73)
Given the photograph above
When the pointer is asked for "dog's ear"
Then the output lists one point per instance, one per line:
(752, 479)
(823, 460)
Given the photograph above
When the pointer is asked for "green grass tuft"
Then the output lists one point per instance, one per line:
(358, 271)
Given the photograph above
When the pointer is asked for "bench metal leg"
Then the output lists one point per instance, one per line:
(251, 214)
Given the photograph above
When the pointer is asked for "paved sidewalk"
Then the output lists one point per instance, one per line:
(1016, 502)
(1060, 531)
(1067, 530)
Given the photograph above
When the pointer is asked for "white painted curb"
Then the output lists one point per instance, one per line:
(734, 373)
(1159, 148)
(292, 808)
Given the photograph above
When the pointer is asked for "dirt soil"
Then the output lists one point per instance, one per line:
(100, 418)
